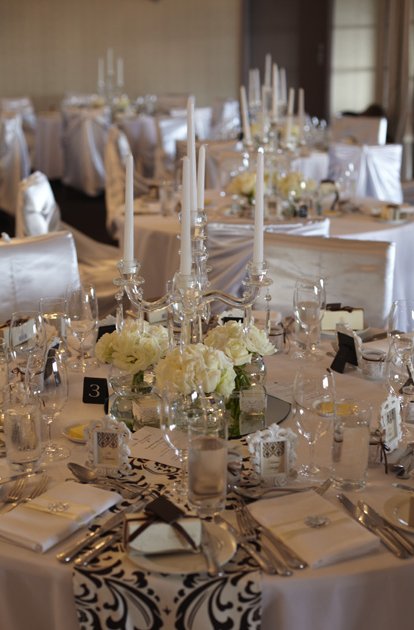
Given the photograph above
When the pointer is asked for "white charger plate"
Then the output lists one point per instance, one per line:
(396, 510)
(184, 563)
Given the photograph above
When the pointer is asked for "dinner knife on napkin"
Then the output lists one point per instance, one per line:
(366, 521)
(389, 527)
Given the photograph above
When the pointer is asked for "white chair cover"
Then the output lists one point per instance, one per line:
(14, 161)
(48, 154)
(35, 267)
(378, 169)
(359, 129)
(230, 247)
(225, 121)
(22, 105)
(141, 132)
(202, 120)
(85, 132)
(38, 211)
(357, 273)
(169, 130)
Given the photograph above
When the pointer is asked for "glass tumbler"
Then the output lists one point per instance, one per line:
(22, 429)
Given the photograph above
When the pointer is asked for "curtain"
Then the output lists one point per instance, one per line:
(394, 87)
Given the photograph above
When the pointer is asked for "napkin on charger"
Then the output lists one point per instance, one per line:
(161, 537)
(340, 539)
(54, 515)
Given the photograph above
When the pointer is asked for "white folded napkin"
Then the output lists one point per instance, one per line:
(340, 539)
(54, 515)
(160, 537)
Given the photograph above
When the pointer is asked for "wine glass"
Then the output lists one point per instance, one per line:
(53, 311)
(27, 339)
(400, 378)
(178, 411)
(314, 413)
(309, 302)
(53, 395)
(81, 319)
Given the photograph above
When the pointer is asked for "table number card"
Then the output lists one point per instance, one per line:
(390, 421)
(95, 390)
(108, 450)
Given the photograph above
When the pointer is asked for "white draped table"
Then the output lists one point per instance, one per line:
(371, 592)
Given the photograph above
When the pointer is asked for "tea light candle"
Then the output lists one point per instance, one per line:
(185, 248)
(258, 213)
(129, 211)
(201, 176)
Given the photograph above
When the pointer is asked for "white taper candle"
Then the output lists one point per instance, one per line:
(258, 212)
(201, 173)
(191, 154)
(275, 93)
(268, 70)
(247, 136)
(291, 102)
(110, 62)
(283, 86)
(185, 245)
(129, 210)
(301, 113)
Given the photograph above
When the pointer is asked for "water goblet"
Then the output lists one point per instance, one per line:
(178, 411)
(82, 320)
(309, 302)
(314, 413)
(53, 311)
(22, 431)
(27, 339)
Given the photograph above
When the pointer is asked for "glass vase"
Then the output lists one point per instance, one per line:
(134, 401)
(247, 404)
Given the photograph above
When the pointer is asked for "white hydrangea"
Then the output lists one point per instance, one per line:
(237, 345)
(133, 349)
(196, 366)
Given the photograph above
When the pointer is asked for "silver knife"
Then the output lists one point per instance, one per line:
(389, 527)
(68, 554)
(364, 520)
(90, 554)
(248, 547)
(207, 550)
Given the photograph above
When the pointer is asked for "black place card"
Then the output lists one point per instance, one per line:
(346, 353)
(102, 330)
(164, 509)
(95, 390)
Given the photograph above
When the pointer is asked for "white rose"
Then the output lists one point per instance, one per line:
(258, 342)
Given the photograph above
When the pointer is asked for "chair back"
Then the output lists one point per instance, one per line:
(37, 211)
(35, 267)
(23, 106)
(359, 129)
(84, 136)
(357, 273)
(14, 160)
(377, 169)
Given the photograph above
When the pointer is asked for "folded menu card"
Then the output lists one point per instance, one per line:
(291, 517)
(54, 515)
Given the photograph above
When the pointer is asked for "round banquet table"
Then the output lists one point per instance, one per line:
(370, 592)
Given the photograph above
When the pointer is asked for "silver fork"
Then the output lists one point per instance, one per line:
(20, 498)
(15, 492)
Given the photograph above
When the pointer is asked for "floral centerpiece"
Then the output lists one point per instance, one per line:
(243, 185)
(244, 349)
(133, 349)
(293, 188)
(196, 367)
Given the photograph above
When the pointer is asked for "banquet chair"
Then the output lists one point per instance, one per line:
(357, 273)
(225, 120)
(169, 130)
(35, 267)
(230, 247)
(22, 106)
(14, 160)
(377, 169)
(84, 135)
(38, 213)
(141, 132)
(359, 129)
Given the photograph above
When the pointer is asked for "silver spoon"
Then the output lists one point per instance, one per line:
(87, 475)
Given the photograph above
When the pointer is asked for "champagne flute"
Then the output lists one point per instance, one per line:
(53, 395)
(314, 412)
(309, 301)
(82, 319)
(27, 340)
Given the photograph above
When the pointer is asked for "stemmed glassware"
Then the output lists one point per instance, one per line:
(53, 395)
(82, 319)
(309, 302)
(27, 340)
(314, 409)
(178, 411)
(53, 311)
